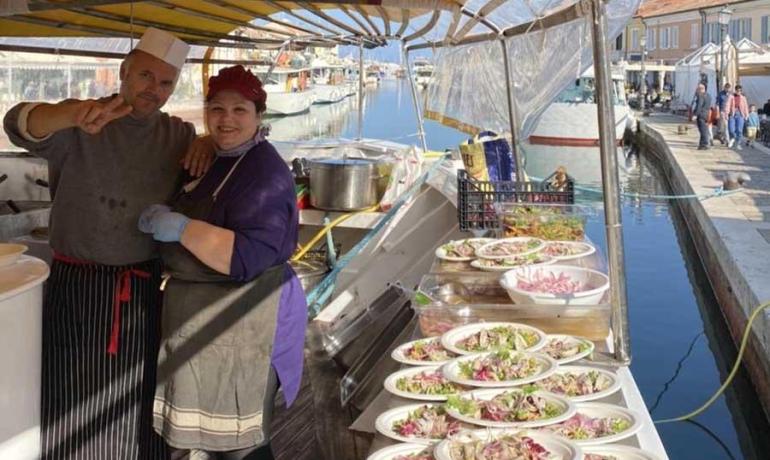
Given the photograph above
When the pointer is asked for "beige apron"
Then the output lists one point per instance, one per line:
(214, 361)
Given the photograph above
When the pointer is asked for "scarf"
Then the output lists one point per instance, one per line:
(262, 132)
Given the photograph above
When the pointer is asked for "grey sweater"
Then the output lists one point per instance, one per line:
(101, 183)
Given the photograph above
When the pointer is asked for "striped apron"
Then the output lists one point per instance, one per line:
(100, 342)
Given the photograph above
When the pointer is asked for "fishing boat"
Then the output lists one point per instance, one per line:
(328, 82)
(289, 91)
(423, 73)
(570, 120)
(362, 308)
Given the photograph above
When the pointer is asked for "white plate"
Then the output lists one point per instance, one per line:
(620, 452)
(597, 410)
(573, 358)
(391, 452)
(568, 409)
(390, 384)
(384, 423)
(589, 249)
(10, 253)
(451, 337)
(399, 354)
(614, 386)
(441, 253)
(481, 252)
(479, 264)
(559, 448)
(452, 371)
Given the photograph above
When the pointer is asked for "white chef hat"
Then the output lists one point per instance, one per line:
(164, 46)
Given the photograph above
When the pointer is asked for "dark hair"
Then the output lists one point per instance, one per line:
(737, 87)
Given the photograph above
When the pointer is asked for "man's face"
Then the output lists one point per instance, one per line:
(701, 89)
(727, 87)
(146, 83)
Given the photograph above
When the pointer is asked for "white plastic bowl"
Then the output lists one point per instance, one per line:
(598, 280)
(10, 253)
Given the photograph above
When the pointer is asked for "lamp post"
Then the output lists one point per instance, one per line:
(724, 20)
(643, 87)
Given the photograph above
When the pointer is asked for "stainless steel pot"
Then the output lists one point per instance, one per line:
(343, 184)
(310, 273)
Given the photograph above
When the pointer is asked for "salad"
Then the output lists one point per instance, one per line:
(504, 447)
(510, 248)
(428, 350)
(550, 283)
(428, 422)
(501, 337)
(500, 366)
(573, 384)
(563, 348)
(581, 427)
(512, 262)
(464, 248)
(565, 249)
(544, 222)
(508, 406)
(428, 383)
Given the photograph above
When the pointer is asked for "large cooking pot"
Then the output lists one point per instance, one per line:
(310, 273)
(343, 184)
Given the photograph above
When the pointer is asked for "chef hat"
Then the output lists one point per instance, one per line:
(164, 46)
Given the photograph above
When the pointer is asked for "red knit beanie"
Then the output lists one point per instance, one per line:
(237, 78)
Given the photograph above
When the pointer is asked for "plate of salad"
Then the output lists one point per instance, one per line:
(461, 250)
(426, 383)
(616, 452)
(510, 247)
(510, 408)
(498, 444)
(492, 336)
(422, 352)
(580, 383)
(418, 423)
(567, 348)
(404, 451)
(597, 423)
(503, 265)
(499, 369)
(567, 250)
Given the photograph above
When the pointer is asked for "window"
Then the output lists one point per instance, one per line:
(694, 36)
(675, 37)
(712, 32)
(765, 38)
(619, 42)
(740, 28)
(651, 34)
(664, 35)
(635, 38)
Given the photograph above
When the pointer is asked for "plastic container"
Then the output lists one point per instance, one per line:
(477, 287)
(597, 283)
(548, 222)
(589, 321)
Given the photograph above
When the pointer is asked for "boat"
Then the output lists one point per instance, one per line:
(363, 307)
(289, 91)
(570, 120)
(423, 73)
(328, 82)
(373, 76)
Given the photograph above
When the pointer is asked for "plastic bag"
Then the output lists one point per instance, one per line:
(405, 171)
(488, 157)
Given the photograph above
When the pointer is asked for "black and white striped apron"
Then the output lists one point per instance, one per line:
(100, 342)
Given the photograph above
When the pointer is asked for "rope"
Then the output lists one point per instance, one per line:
(730, 377)
(321, 293)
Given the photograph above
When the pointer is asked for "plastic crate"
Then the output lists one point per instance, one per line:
(476, 199)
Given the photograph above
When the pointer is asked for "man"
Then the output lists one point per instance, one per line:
(108, 160)
(738, 111)
(701, 115)
(766, 108)
(722, 99)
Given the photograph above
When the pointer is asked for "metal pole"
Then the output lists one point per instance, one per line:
(612, 215)
(360, 89)
(511, 117)
(721, 56)
(69, 80)
(286, 44)
(643, 88)
(413, 89)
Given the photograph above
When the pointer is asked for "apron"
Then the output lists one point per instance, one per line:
(214, 362)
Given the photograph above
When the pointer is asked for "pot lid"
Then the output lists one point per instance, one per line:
(305, 268)
(346, 161)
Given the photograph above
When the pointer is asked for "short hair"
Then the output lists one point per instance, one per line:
(737, 87)
(728, 84)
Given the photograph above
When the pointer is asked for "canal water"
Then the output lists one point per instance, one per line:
(680, 346)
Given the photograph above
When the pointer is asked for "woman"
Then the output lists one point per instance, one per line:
(234, 313)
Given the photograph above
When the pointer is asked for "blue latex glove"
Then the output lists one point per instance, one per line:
(165, 225)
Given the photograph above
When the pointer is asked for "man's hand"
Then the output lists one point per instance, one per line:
(91, 115)
(199, 156)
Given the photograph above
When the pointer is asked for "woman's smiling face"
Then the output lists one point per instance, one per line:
(231, 119)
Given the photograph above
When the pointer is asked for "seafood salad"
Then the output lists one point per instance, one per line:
(550, 283)
(500, 337)
(508, 406)
(511, 248)
(500, 366)
(563, 348)
(504, 447)
(575, 383)
(427, 422)
(428, 383)
(463, 248)
(562, 249)
(426, 454)
(582, 427)
(428, 350)
(516, 261)
(545, 223)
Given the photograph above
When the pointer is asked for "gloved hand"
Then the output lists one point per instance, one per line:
(165, 225)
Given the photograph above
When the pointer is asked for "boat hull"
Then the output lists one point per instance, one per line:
(576, 125)
(285, 103)
(329, 94)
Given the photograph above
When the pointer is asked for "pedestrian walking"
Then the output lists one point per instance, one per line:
(701, 115)
(737, 108)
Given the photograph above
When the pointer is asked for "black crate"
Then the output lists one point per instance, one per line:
(476, 199)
